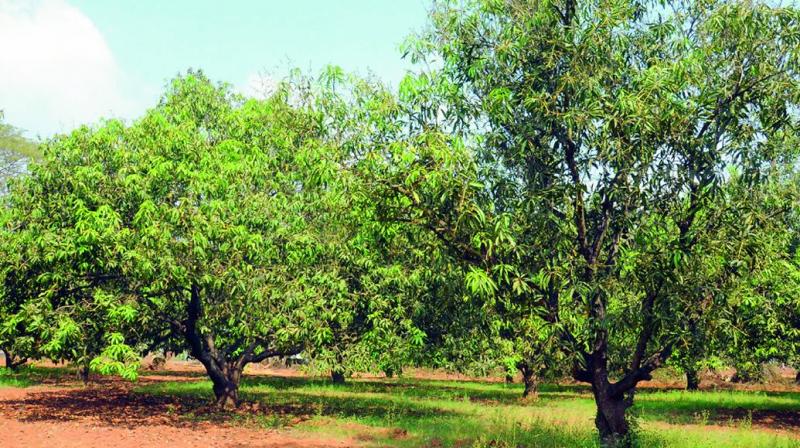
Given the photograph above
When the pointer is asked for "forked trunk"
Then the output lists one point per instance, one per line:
(692, 379)
(224, 374)
(225, 378)
(746, 375)
(224, 371)
(226, 390)
(611, 422)
(612, 401)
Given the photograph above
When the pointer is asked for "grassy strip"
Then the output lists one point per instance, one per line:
(410, 413)
(26, 376)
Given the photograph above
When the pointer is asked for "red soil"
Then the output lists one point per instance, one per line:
(107, 415)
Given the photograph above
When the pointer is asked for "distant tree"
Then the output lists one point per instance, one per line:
(765, 318)
(16, 151)
(742, 308)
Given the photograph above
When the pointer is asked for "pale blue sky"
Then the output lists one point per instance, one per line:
(77, 60)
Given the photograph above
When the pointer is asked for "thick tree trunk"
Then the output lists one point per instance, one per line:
(611, 422)
(225, 378)
(614, 399)
(224, 374)
(337, 376)
(530, 380)
(224, 370)
(226, 388)
(692, 379)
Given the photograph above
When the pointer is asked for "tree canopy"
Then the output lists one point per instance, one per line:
(214, 221)
(608, 137)
(594, 187)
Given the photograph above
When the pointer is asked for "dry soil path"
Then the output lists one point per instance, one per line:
(109, 416)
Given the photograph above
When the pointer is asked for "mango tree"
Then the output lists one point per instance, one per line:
(202, 222)
(605, 131)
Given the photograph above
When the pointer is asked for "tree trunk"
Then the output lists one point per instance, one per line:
(509, 379)
(224, 374)
(11, 363)
(531, 387)
(389, 372)
(224, 371)
(530, 381)
(337, 376)
(7, 358)
(692, 379)
(742, 376)
(613, 399)
(226, 388)
(611, 422)
(797, 377)
(83, 371)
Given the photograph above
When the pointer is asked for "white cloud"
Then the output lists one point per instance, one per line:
(56, 70)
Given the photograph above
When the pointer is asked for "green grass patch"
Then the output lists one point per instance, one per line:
(26, 376)
(410, 413)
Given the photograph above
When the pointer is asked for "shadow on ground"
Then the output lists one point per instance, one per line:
(418, 406)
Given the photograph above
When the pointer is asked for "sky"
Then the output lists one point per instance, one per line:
(64, 63)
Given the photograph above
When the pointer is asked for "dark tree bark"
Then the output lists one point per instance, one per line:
(614, 399)
(391, 372)
(744, 375)
(530, 380)
(797, 377)
(337, 376)
(610, 420)
(224, 375)
(692, 379)
(226, 387)
(224, 370)
(7, 359)
(83, 371)
(10, 362)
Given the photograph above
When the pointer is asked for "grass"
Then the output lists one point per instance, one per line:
(26, 376)
(411, 413)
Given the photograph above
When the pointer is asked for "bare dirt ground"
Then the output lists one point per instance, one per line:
(106, 415)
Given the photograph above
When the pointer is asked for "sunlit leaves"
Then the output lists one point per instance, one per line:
(604, 137)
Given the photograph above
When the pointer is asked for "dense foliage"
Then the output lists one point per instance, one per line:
(610, 139)
(223, 226)
(594, 189)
